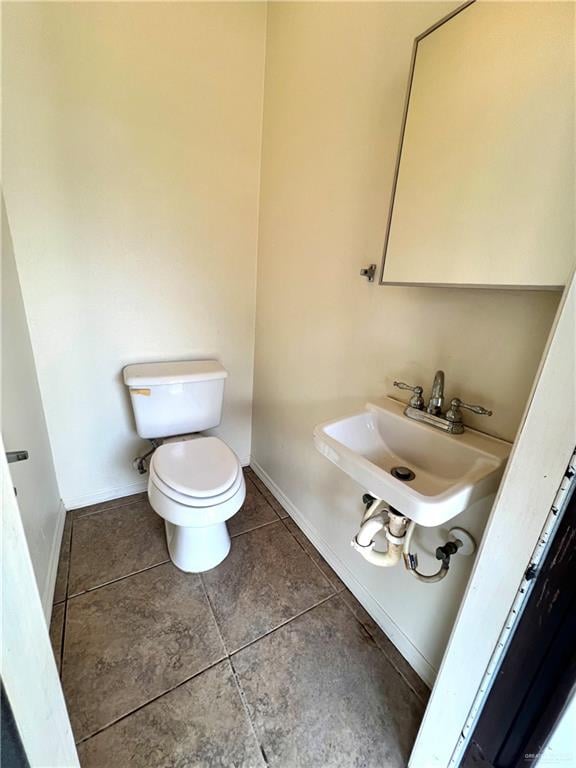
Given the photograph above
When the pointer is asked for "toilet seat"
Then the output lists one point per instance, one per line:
(193, 501)
(200, 468)
(186, 513)
(196, 473)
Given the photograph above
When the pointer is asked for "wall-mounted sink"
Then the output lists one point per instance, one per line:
(449, 471)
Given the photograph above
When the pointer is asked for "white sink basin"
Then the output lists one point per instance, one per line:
(451, 471)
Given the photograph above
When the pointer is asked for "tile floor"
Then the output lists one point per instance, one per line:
(267, 660)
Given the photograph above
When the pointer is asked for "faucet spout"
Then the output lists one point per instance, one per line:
(437, 397)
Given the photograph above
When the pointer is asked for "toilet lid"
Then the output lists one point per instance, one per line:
(203, 467)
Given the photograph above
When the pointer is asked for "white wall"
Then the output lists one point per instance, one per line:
(24, 428)
(326, 340)
(131, 155)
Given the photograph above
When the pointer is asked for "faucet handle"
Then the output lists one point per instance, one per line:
(455, 405)
(416, 401)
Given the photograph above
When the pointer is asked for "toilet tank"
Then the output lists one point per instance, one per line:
(175, 398)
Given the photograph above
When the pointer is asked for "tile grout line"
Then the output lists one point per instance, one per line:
(398, 671)
(264, 491)
(255, 528)
(120, 578)
(244, 703)
(154, 565)
(107, 509)
(265, 497)
(213, 614)
(229, 654)
(227, 657)
(336, 591)
(383, 652)
(150, 701)
(283, 624)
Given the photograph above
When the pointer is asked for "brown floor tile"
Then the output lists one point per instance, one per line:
(387, 647)
(201, 724)
(305, 542)
(103, 506)
(255, 512)
(57, 631)
(115, 543)
(63, 561)
(270, 498)
(266, 580)
(131, 641)
(321, 693)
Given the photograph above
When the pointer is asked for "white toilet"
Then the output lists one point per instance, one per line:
(196, 482)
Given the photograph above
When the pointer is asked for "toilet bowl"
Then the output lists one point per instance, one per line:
(196, 486)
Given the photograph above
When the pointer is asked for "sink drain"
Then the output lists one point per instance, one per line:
(402, 473)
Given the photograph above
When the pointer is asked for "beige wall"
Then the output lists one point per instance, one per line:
(131, 166)
(326, 340)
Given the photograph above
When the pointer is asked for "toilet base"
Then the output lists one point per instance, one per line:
(195, 550)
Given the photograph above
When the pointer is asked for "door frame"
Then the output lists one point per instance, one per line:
(28, 669)
(530, 688)
(540, 455)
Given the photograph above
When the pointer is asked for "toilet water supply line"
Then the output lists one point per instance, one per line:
(398, 531)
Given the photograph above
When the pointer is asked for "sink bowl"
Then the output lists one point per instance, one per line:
(450, 471)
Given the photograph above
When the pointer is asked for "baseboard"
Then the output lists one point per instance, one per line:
(408, 650)
(47, 596)
(106, 494)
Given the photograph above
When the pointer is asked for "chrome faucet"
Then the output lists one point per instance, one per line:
(432, 414)
(437, 397)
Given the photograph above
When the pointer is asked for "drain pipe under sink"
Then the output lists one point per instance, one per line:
(373, 522)
(399, 531)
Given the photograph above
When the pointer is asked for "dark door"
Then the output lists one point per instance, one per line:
(539, 669)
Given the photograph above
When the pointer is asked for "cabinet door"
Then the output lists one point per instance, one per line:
(484, 193)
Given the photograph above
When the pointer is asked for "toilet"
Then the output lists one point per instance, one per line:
(195, 481)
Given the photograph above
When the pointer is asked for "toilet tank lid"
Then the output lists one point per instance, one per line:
(180, 372)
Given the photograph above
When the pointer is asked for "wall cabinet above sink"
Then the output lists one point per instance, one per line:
(484, 189)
